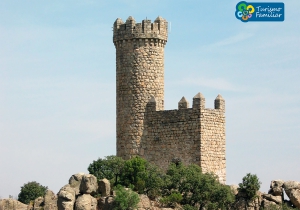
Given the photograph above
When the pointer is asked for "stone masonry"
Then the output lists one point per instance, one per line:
(140, 75)
(192, 135)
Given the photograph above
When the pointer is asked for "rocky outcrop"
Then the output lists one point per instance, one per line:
(105, 203)
(273, 199)
(12, 204)
(38, 203)
(50, 201)
(275, 194)
(78, 193)
(234, 189)
(266, 204)
(75, 182)
(292, 190)
(30, 206)
(89, 184)
(276, 188)
(242, 203)
(144, 202)
(66, 198)
(276, 199)
(104, 187)
(86, 202)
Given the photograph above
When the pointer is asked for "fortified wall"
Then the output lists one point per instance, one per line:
(190, 135)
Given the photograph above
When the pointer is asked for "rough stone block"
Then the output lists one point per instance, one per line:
(104, 187)
(89, 184)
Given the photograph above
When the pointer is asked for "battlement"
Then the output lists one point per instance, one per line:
(198, 103)
(145, 30)
(193, 135)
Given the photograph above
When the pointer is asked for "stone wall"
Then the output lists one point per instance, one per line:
(213, 142)
(192, 135)
(140, 75)
(171, 134)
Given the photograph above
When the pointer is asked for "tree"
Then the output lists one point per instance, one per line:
(153, 180)
(249, 186)
(171, 200)
(110, 168)
(134, 169)
(125, 199)
(145, 177)
(31, 191)
(198, 188)
(181, 184)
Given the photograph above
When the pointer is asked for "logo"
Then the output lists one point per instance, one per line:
(257, 11)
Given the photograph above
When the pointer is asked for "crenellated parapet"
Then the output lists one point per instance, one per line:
(220, 103)
(183, 103)
(192, 135)
(198, 103)
(130, 30)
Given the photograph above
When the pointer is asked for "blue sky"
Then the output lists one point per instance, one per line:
(57, 84)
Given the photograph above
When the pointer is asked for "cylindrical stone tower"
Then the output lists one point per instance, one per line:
(140, 76)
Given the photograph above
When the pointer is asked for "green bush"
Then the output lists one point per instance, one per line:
(145, 177)
(133, 170)
(154, 193)
(286, 207)
(153, 179)
(197, 188)
(31, 191)
(249, 186)
(137, 172)
(140, 186)
(186, 185)
(110, 168)
(172, 199)
(279, 207)
(125, 199)
(189, 207)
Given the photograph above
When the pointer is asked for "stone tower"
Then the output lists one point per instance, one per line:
(140, 77)
(193, 135)
(190, 135)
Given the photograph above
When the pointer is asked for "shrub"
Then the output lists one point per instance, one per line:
(286, 207)
(279, 207)
(198, 188)
(145, 177)
(153, 193)
(172, 199)
(135, 173)
(133, 169)
(140, 186)
(189, 207)
(186, 185)
(153, 179)
(31, 191)
(249, 186)
(125, 199)
(110, 168)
